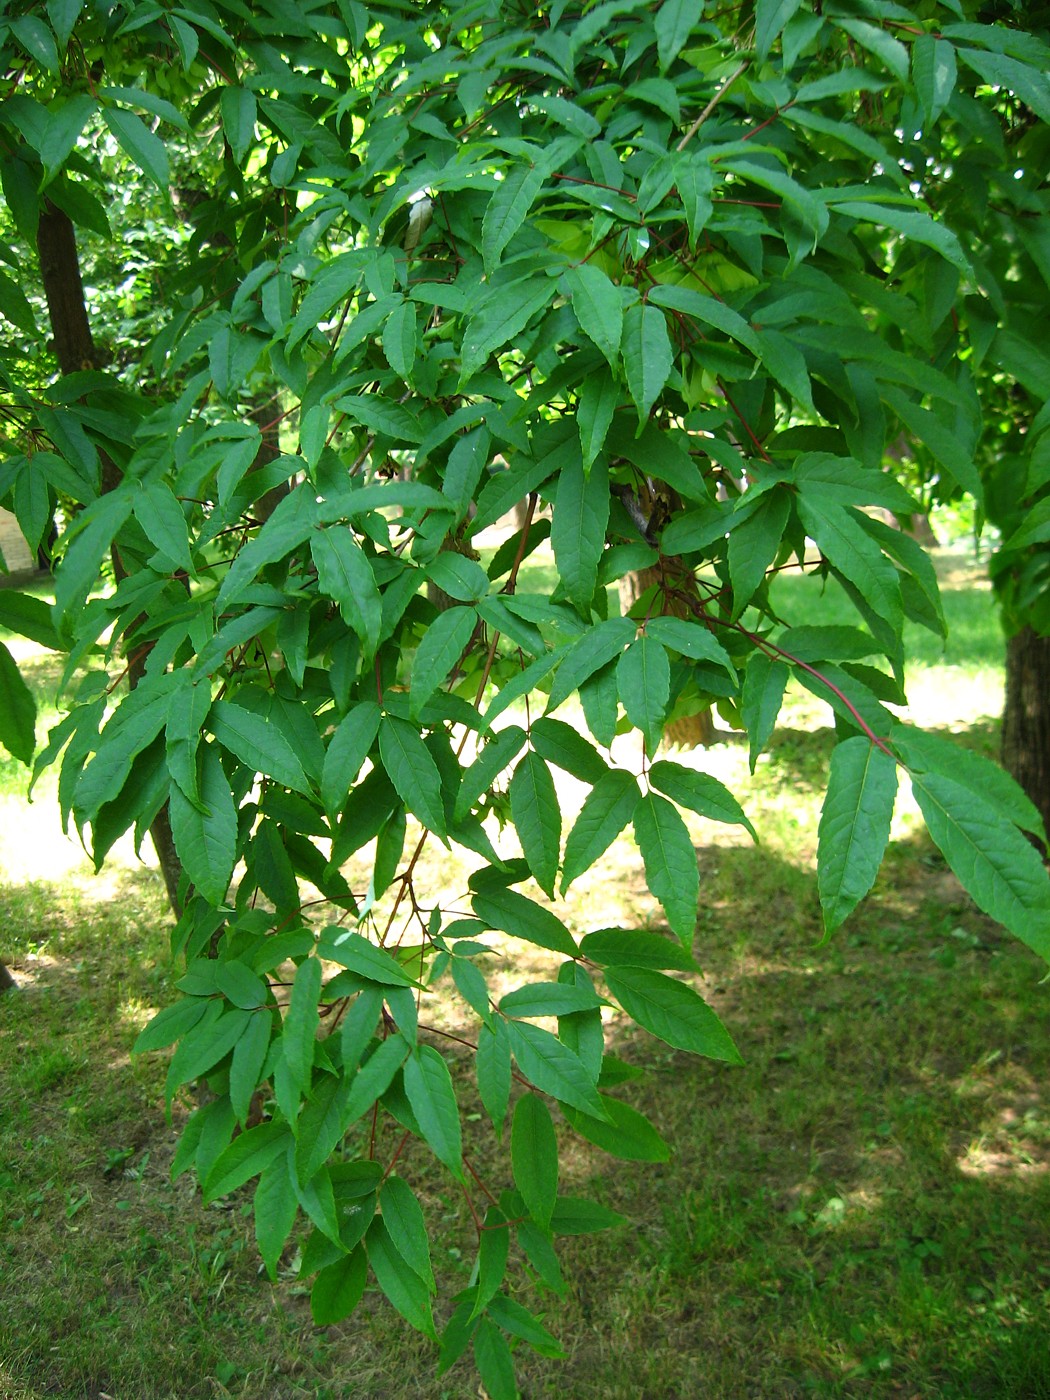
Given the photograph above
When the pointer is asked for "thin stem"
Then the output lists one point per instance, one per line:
(711, 106)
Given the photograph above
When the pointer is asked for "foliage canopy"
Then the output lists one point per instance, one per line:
(687, 276)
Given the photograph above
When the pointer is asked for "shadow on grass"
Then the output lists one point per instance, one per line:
(862, 1209)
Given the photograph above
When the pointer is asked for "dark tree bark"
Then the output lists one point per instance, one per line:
(1026, 716)
(692, 731)
(6, 980)
(75, 350)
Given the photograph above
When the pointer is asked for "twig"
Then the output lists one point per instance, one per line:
(711, 106)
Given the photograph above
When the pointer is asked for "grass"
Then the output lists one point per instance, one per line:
(862, 1210)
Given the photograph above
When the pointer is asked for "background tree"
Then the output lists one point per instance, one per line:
(678, 278)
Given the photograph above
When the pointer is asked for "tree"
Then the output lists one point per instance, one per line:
(646, 267)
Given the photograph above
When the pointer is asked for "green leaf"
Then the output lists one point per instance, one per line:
(347, 750)
(671, 871)
(206, 836)
(37, 40)
(850, 550)
(1029, 84)
(16, 308)
(599, 399)
(608, 807)
(770, 18)
(249, 1056)
(707, 309)
(258, 743)
(549, 999)
(692, 639)
(599, 645)
(298, 1038)
(915, 225)
(561, 745)
(700, 792)
(598, 306)
(494, 1361)
(854, 826)
(493, 1252)
(671, 1011)
(142, 147)
(351, 950)
(537, 819)
(164, 524)
(291, 524)
(359, 1026)
(443, 644)
(339, 1288)
(407, 1228)
(320, 1126)
(428, 1085)
(647, 356)
(96, 527)
(170, 1024)
(17, 710)
(413, 773)
(581, 518)
(619, 947)
(523, 918)
(503, 315)
(573, 1215)
(626, 1134)
(933, 71)
(492, 1067)
(675, 21)
(247, 1155)
(63, 15)
(491, 760)
(534, 1157)
(643, 678)
(345, 575)
(930, 753)
(398, 1280)
(375, 1076)
(275, 1208)
(763, 694)
(996, 865)
(507, 209)
(753, 545)
(401, 339)
(28, 617)
(552, 1067)
(237, 107)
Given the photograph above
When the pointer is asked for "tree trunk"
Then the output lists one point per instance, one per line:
(75, 350)
(1026, 716)
(691, 731)
(6, 980)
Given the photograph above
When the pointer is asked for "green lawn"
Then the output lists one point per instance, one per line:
(863, 1209)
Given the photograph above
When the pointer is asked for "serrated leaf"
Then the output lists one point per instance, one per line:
(552, 1067)
(700, 792)
(534, 1157)
(398, 1280)
(142, 147)
(598, 646)
(763, 694)
(443, 644)
(345, 575)
(491, 760)
(249, 1056)
(347, 750)
(753, 545)
(522, 918)
(375, 1076)
(163, 523)
(500, 319)
(607, 809)
(170, 1024)
(291, 524)
(237, 107)
(598, 306)
(770, 18)
(549, 999)
(617, 947)
(17, 710)
(933, 72)
(561, 745)
(923, 752)
(643, 678)
(914, 224)
(401, 338)
(599, 399)
(692, 639)
(996, 865)
(671, 870)
(258, 743)
(28, 617)
(428, 1086)
(647, 356)
(850, 550)
(492, 1067)
(407, 1227)
(301, 1022)
(580, 521)
(537, 819)
(338, 1288)
(413, 772)
(320, 1126)
(627, 1134)
(507, 209)
(348, 948)
(37, 40)
(675, 20)
(247, 1155)
(671, 1011)
(574, 1215)
(854, 826)
(275, 1208)
(205, 836)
